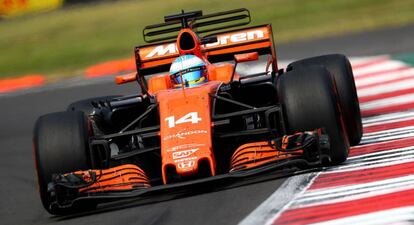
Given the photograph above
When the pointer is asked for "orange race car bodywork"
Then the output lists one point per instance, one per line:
(185, 114)
(184, 145)
(171, 136)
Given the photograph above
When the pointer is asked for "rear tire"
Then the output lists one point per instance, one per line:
(61, 143)
(308, 101)
(340, 68)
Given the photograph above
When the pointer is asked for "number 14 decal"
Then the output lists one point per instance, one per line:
(191, 117)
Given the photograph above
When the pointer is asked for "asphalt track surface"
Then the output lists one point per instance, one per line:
(19, 201)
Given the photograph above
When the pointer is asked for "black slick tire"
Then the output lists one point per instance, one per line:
(341, 70)
(60, 146)
(308, 101)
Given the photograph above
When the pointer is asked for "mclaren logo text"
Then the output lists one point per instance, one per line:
(224, 39)
(161, 50)
(238, 37)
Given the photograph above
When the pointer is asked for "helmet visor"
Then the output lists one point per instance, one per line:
(189, 75)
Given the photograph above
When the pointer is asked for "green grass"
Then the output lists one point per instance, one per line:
(66, 41)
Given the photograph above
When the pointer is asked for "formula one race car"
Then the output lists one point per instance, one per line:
(200, 118)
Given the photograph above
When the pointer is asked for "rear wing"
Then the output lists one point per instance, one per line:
(203, 25)
(155, 58)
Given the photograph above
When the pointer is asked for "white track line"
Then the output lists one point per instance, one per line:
(358, 61)
(387, 118)
(391, 76)
(407, 98)
(279, 200)
(397, 216)
(385, 88)
(370, 166)
(379, 67)
(353, 192)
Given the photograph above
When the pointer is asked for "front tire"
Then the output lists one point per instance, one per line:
(61, 145)
(308, 101)
(341, 70)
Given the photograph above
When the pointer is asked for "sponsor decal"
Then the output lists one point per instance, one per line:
(183, 134)
(191, 117)
(185, 159)
(224, 39)
(237, 37)
(185, 146)
(184, 154)
(185, 165)
(161, 50)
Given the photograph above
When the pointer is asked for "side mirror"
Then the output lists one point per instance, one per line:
(125, 78)
(246, 57)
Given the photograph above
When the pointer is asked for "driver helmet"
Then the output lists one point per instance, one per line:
(192, 70)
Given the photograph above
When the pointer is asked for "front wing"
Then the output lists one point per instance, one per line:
(129, 183)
